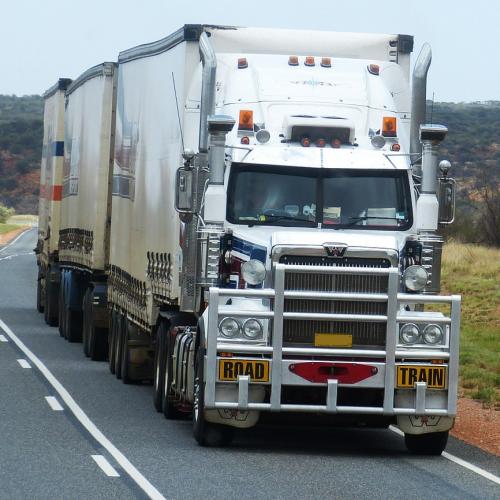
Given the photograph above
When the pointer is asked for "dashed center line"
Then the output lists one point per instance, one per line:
(108, 469)
(23, 363)
(3, 338)
(54, 403)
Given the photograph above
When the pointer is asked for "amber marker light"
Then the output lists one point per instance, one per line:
(242, 63)
(389, 126)
(326, 62)
(246, 120)
(321, 143)
(309, 61)
(293, 61)
(336, 143)
(305, 141)
(374, 69)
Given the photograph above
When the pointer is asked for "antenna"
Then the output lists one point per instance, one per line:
(178, 114)
(432, 106)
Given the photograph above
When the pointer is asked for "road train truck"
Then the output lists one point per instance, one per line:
(258, 228)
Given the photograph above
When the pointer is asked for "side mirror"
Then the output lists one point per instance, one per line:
(184, 200)
(447, 190)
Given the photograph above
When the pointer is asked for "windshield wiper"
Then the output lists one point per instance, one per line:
(277, 218)
(355, 220)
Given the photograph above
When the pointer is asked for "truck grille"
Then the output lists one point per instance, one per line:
(364, 334)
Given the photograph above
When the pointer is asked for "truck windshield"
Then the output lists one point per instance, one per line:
(306, 197)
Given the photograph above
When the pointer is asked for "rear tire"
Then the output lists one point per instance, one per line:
(125, 357)
(170, 409)
(112, 341)
(206, 433)
(118, 345)
(50, 308)
(426, 444)
(73, 323)
(159, 366)
(39, 302)
(87, 322)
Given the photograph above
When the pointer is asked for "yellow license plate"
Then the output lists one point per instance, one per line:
(333, 340)
(230, 369)
(408, 375)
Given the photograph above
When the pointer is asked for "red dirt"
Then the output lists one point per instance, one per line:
(478, 425)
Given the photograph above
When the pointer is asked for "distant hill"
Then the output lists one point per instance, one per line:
(472, 145)
(21, 133)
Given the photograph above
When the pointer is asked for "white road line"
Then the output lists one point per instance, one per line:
(84, 420)
(23, 363)
(108, 469)
(53, 403)
(9, 257)
(14, 240)
(459, 461)
(3, 338)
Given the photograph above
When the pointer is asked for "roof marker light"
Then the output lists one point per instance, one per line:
(374, 69)
(305, 141)
(293, 61)
(242, 63)
(326, 62)
(309, 61)
(246, 120)
(321, 143)
(336, 143)
(389, 126)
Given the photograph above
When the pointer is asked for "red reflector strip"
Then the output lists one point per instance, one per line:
(320, 372)
(56, 193)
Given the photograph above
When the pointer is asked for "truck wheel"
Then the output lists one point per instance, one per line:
(118, 345)
(87, 322)
(206, 433)
(51, 301)
(98, 344)
(61, 315)
(125, 358)
(39, 295)
(159, 366)
(426, 444)
(112, 341)
(73, 324)
(169, 408)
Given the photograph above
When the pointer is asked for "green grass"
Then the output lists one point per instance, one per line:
(6, 228)
(474, 272)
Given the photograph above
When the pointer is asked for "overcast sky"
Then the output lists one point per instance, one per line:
(41, 41)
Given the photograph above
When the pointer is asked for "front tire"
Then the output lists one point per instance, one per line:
(206, 433)
(426, 444)
(50, 308)
(159, 366)
(39, 294)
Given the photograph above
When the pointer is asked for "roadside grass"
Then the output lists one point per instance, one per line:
(7, 228)
(473, 271)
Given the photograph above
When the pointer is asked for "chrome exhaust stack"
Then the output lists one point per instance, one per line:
(418, 104)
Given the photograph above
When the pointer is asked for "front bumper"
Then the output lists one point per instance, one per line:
(423, 401)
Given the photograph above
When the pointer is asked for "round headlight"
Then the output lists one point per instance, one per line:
(415, 278)
(409, 333)
(253, 271)
(252, 329)
(229, 327)
(433, 334)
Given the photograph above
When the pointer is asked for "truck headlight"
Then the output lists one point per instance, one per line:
(253, 271)
(415, 278)
(409, 333)
(252, 329)
(229, 327)
(432, 334)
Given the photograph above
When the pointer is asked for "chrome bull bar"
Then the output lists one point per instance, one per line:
(276, 351)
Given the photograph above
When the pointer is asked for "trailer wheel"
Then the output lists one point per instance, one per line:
(125, 358)
(73, 324)
(169, 408)
(206, 433)
(39, 295)
(159, 366)
(50, 308)
(62, 326)
(118, 345)
(112, 341)
(87, 322)
(426, 444)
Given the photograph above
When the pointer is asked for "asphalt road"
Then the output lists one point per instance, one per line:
(46, 453)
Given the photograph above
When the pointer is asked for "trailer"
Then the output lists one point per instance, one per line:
(275, 203)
